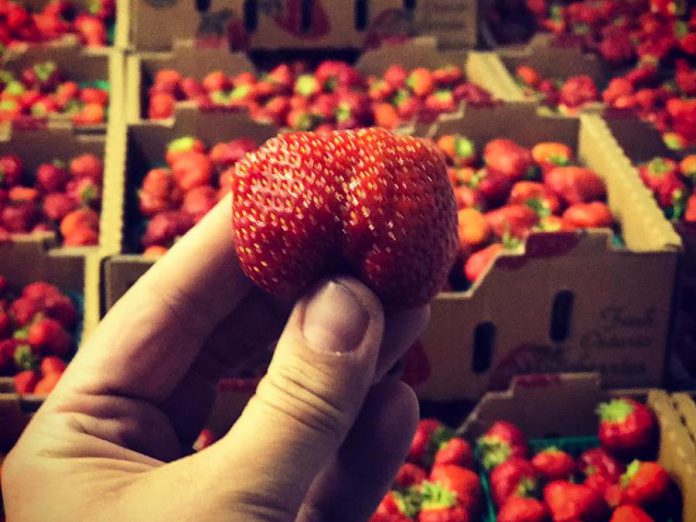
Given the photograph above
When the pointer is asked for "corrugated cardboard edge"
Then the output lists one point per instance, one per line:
(644, 226)
(494, 76)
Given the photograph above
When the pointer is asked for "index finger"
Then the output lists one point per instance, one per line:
(149, 339)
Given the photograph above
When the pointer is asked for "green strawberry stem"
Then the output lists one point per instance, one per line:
(616, 410)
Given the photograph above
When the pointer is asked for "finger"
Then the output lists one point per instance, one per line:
(321, 371)
(352, 485)
(147, 342)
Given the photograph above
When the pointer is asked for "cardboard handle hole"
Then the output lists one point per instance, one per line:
(561, 314)
(361, 14)
(306, 8)
(410, 5)
(251, 15)
(202, 6)
(484, 343)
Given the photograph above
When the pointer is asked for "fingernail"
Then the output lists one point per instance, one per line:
(334, 319)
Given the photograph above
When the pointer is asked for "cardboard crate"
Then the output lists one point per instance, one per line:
(189, 61)
(564, 405)
(146, 25)
(80, 65)
(72, 270)
(641, 142)
(37, 146)
(572, 301)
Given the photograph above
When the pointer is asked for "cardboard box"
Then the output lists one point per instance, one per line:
(571, 302)
(564, 405)
(190, 61)
(80, 65)
(147, 25)
(75, 271)
(641, 142)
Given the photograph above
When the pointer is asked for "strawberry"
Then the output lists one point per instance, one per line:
(199, 201)
(630, 514)
(10, 170)
(87, 166)
(91, 30)
(690, 214)
(528, 76)
(589, 215)
(512, 221)
(178, 148)
(161, 106)
(575, 184)
(626, 427)
(514, 477)
(536, 196)
(568, 502)
(78, 219)
(421, 81)
(473, 95)
(353, 110)
(522, 509)
(616, 47)
(598, 462)
(409, 475)
(395, 76)
(224, 155)
(49, 336)
(685, 77)
(473, 229)
(82, 236)
(456, 451)
(459, 150)
(167, 81)
(467, 197)
(94, 95)
(552, 154)
(23, 195)
(51, 177)
(335, 75)
(493, 187)
(302, 119)
(192, 169)
(578, 90)
(85, 192)
(687, 167)
(507, 158)
(429, 436)
(464, 483)
(166, 227)
(394, 505)
(643, 484)
(7, 350)
(25, 381)
(661, 175)
(554, 464)
(51, 364)
(19, 218)
(47, 383)
(480, 261)
(385, 115)
(154, 251)
(355, 226)
(502, 441)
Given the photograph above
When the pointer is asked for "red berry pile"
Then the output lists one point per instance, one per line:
(41, 91)
(617, 479)
(335, 95)
(672, 183)
(176, 196)
(567, 96)
(63, 197)
(507, 191)
(437, 483)
(37, 335)
(59, 18)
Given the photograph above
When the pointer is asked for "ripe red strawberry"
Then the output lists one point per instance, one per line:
(166, 227)
(578, 90)
(199, 201)
(502, 441)
(456, 451)
(419, 240)
(690, 214)
(92, 30)
(51, 364)
(570, 502)
(459, 150)
(552, 154)
(626, 427)
(395, 76)
(47, 383)
(25, 381)
(10, 170)
(225, 155)
(167, 80)
(643, 484)
(191, 170)
(353, 110)
(575, 184)
(87, 166)
(19, 218)
(589, 215)
(507, 158)
(7, 350)
(522, 509)
(536, 196)
(161, 106)
(597, 461)
(512, 221)
(464, 483)
(51, 177)
(528, 75)
(22, 194)
(78, 219)
(514, 477)
(409, 475)
(473, 229)
(661, 175)
(421, 81)
(448, 76)
(179, 148)
(479, 262)
(494, 187)
(554, 464)
(429, 435)
(630, 514)
(49, 336)
(85, 192)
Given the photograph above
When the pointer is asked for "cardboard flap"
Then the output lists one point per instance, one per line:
(556, 62)
(540, 406)
(120, 273)
(493, 76)
(418, 52)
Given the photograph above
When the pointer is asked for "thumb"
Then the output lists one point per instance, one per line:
(322, 369)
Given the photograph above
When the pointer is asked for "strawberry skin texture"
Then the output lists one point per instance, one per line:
(365, 202)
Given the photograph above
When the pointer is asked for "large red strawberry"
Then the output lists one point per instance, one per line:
(522, 509)
(575, 184)
(570, 502)
(643, 484)
(600, 468)
(514, 477)
(502, 441)
(626, 427)
(505, 157)
(554, 464)
(366, 202)
(464, 483)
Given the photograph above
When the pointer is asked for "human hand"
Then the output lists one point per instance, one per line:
(321, 439)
